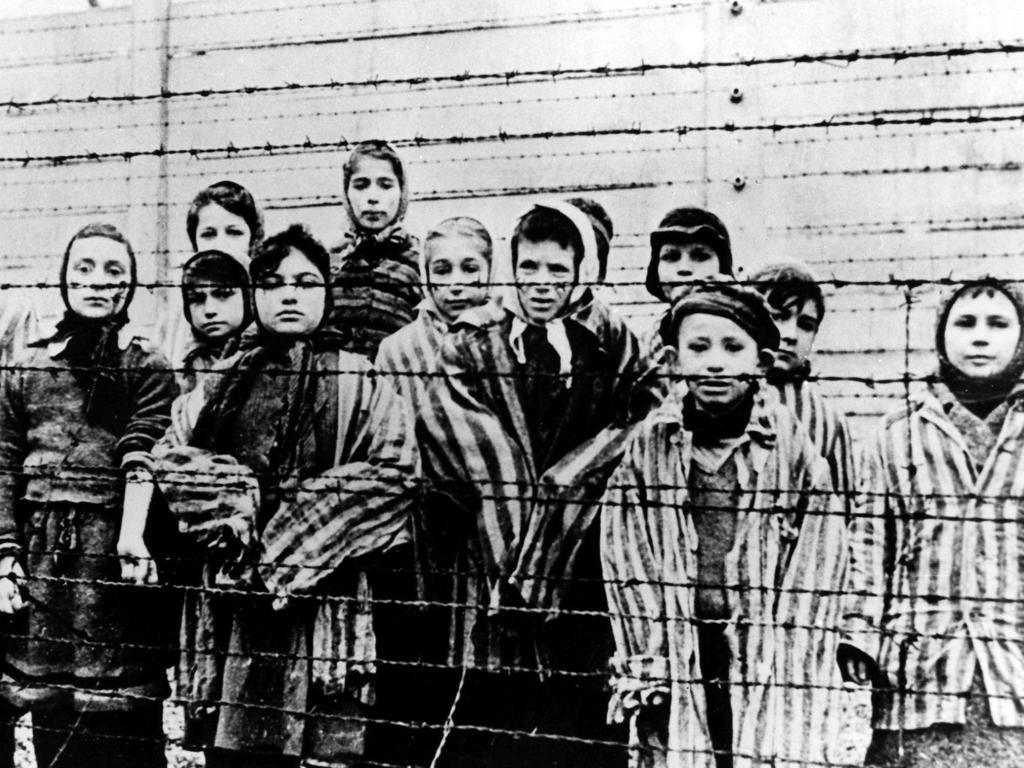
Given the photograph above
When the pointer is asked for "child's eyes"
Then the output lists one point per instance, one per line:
(223, 293)
(206, 234)
(441, 269)
(360, 183)
(964, 321)
(234, 232)
(386, 183)
(998, 322)
(806, 324)
(195, 298)
(733, 348)
(471, 267)
(700, 255)
(697, 346)
(308, 281)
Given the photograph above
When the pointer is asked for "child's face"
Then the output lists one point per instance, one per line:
(217, 310)
(714, 353)
(290, 300)
(456, 275)
(545, 274)
(219, 229)
(981, 333)
(798, 322)
(682, 262)
(374, 194)
(98, 277)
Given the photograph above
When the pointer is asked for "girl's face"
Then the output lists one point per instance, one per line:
(219, 229)
(457, 276)
(545, 273)
(374, 193)
(682, 262)
(290, 301)
(981, 333)
(98, 277)
(797, 322)
(216, 310)
(717, 358)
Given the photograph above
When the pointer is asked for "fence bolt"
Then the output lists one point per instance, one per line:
(736, 7)
(739, 183)
(736, 96)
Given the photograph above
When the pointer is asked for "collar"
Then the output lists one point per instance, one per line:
(557, 337)
(125, 336)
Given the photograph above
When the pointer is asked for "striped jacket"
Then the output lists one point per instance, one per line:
(829, 431)
(19, 326)
(478, 445)
(783, 574)
(936, 566)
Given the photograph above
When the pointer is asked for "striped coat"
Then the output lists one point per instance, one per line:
(478, 446)
(783, 573)
(937, 566)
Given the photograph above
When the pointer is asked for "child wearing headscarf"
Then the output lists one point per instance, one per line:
(456, 273)
(78, 415)
(934, 616)
(723, 552)
(297, 481)
(374, 270)
(222, 217)
(525, 382)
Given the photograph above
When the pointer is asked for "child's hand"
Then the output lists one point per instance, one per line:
(137, 566)
(11, 575)
(855, 665)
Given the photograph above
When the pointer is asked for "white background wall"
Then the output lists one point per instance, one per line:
(931, 188)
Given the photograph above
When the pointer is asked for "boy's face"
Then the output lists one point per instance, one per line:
(290, 301)
(682, 262)
(216, 310)
(716, 357)
(219, 229)
(98, 277)
(374, 194)
(981, 333)
(545, 274)
(457, 276)
(797, 321)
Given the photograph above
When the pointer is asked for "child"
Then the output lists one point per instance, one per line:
(934, 612)
(798, 308)
(77, 418)
(374, 270)
(689, 246)
(222, 217)
(456, 275)
(721, 548)
(525, 382)
(300, 446)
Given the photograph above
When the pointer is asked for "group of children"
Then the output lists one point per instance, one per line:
(376, 513)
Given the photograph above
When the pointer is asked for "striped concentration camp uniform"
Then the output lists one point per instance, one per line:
(782, 577)
(935, 592)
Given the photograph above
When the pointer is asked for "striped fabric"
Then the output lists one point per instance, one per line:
(782, 574)
(412, 356)
(937, 566)
(829, 431)
(478, 442)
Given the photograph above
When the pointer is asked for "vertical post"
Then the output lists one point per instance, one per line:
(148, 186)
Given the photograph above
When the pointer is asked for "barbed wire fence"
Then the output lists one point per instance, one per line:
(874, 143)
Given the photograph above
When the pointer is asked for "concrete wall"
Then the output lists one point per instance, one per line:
(556, 98)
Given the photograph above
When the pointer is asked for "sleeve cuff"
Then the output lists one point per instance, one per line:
(862, 635)
(138, 460)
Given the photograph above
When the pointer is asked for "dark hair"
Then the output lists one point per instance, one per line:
(780, 284)
(602, 233)
(379, 149)
(543, 224)
(233, 198)
(99, 229)
(272, 251)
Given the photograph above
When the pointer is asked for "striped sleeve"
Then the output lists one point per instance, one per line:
(472, 454)
(19, 325)
(870, 551)
(633, 560)
(356, 508)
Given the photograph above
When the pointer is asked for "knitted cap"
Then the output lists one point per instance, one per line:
(743, 306)
(691, 224)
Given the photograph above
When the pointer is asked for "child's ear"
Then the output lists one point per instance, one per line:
(669, 356)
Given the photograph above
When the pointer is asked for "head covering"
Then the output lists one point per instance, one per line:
(691, 224)
(586, 275)
(604, 230)
(215, 267)
(972, 390)
(89, 346)
(379, 150)
(743, 306)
